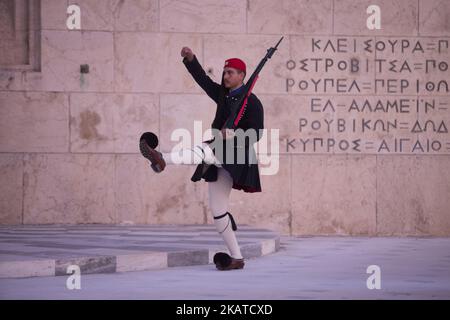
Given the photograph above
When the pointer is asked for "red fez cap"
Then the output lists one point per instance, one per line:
(235, 63)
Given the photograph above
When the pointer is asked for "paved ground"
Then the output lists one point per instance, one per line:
(49, 250)
(303, 268)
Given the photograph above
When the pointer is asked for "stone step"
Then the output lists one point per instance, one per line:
(48, 250)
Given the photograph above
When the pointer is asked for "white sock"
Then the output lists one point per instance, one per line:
(223, 226)
(219, 192)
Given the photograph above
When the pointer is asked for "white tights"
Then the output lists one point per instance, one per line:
(219, 191)
(194, 155)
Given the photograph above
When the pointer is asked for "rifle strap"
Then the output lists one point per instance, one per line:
(244, 104)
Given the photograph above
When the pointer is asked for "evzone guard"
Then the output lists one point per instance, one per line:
(228, 160)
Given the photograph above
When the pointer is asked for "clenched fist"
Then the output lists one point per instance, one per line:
(187, 52)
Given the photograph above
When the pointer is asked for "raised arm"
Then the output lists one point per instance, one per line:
(211, 88)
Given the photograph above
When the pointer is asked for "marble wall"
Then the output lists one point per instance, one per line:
(68, 141)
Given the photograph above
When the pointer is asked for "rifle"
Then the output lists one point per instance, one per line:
(238, 106)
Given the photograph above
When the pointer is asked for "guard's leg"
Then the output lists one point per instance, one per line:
(194, 155)
(219, 192)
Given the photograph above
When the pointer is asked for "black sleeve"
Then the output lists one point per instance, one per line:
(211, 88)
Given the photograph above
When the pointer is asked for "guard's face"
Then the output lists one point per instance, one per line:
(232, 77)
